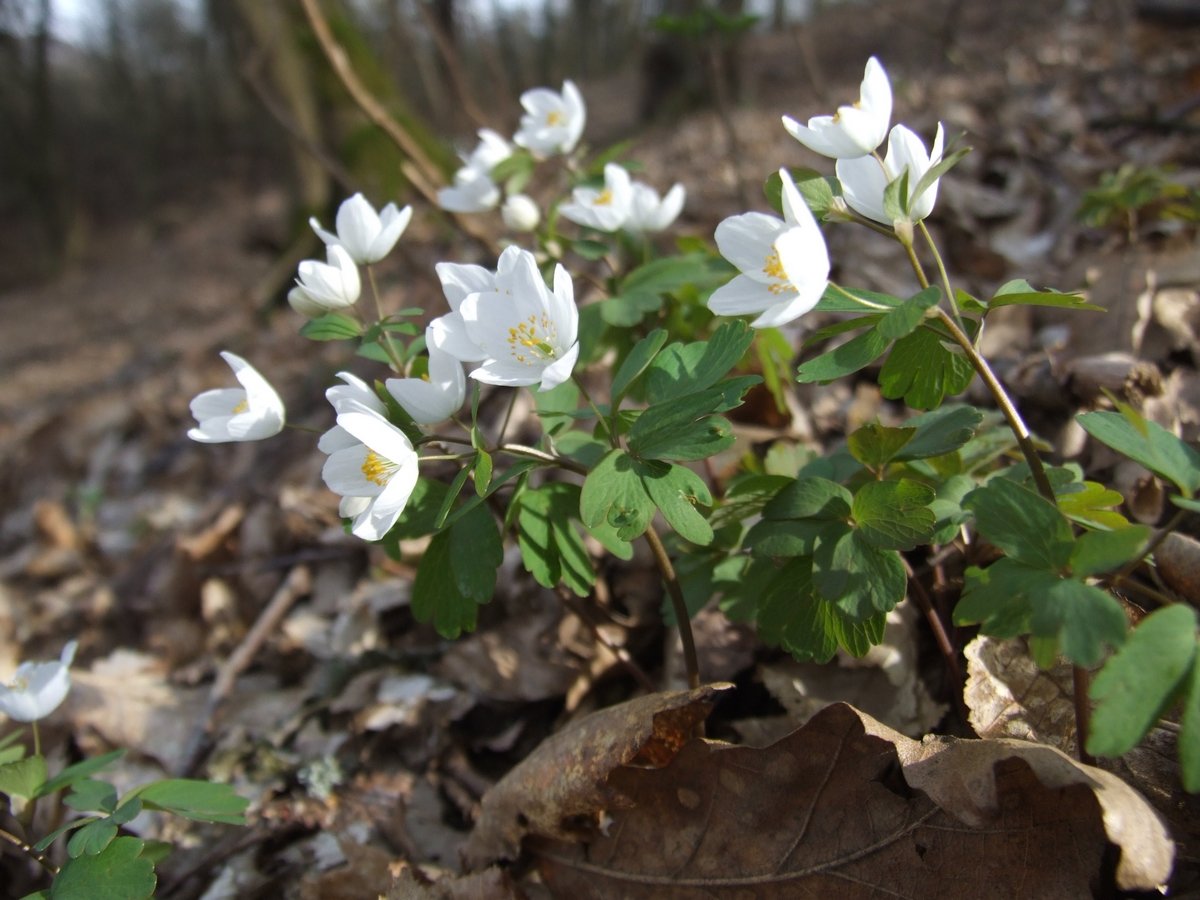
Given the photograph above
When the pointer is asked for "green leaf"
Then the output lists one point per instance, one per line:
(857, 577)
(195, 799)
(331, 327)
(589, 249)
(895, 198)
(23, 777)
(817, 190)
(844, 359)
(638, 360)
(809, 497)
(841, 299)
(902, 320)
(677, 491)
(1105, 551)
(936, 171)
(1091, 505)
(456, 486)
(1024, 525)
(1082, 617)
(940, 431)
(686, 428)
(682, 369)
(1184, 503)
(628, 310)
(79, 771)
(613, 494)
(1022, 293)
(555, 406)
(858, 637)
(1149, 444)
(894, 515)
(790, 615)
(551, 548)
(1188, 745)
(90, 794)
(118, 872)
(458, 573)
(1137, 685)
(92, 838)
(483, 472)
(922, 372)
(875, 445)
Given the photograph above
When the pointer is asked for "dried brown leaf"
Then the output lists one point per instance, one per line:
(490, 884)
(563, 783)
(831, 811)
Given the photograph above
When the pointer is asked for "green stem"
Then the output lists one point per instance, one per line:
(608, 426)
(37, 739)
(859, 300)
(388, 347)
(39, 858)
(683, 620)
(542, 456)
(941, 267)
(1161, 535)
(922, 278)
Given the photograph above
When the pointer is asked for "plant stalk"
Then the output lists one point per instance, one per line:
(40, 858)
(683, 620)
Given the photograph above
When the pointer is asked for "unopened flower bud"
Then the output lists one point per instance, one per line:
(520, 213)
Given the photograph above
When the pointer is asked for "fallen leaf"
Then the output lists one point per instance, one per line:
(831, 811)
(564, 782)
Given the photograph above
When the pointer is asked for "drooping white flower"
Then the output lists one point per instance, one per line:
(520, 213)
(528, 332)
(473, 189)
(784, 263)
(249, 413)
(354, 394)
(325, 287)
(435, 398)
(605, 209)
(864, 180)
(553, 122)
(650, 213)
(375, 475)
(853, 130)
(368, 236)
(448, 333)
(37, 688)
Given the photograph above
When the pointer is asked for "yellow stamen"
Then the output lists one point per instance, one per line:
(604, 198)
(536, 335)
(241, 407)
(773, 268)
(554, 117)
(376, 469)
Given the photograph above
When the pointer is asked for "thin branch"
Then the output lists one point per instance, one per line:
(29, 850)
(683, 621)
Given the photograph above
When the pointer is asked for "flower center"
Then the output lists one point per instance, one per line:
(376, 469)
(604, 198)
(243, 406)
(20, 684)
(773, 268)
(534, 338)
(554, 117)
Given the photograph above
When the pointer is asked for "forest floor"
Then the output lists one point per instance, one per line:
(360, 735)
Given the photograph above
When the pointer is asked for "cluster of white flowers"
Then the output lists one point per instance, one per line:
(784, 263)
(623, 204)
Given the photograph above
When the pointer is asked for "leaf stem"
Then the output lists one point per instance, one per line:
(608, 426)
(388, 347)
(683, 620)
(942, 273)
(1161, 535)
(861, 301)
(40, 858)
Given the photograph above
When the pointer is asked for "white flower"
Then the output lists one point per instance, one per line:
(326, 286)
(784, 262)
(854, 130)
(355, 394)
(37, 688)
(375, 475)
(605, 209)
(649, 213)
(249, 413)
(449, 332)
(864, 180)
(527, 332)
(435, 398)
(473, 189)
(553, 122)
(367, 236)
(520, 213)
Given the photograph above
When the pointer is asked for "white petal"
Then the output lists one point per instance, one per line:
(458, 280)
(357, 225)
(217, 403)
(863, 184)
(507, 373)
(379, 434)
(448, 333)
(746, 240)
(744, 295)
(805, 260)
(343, 472)
(393, 223)
(560, 370)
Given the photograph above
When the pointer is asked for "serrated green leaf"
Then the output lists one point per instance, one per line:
(808, 497)
(791, 537)
(858, 637)
(845, 359)
(195, 799)
(551, 548)
(1020, 292)
(1141, 680)
(79, 771)
(22, 778)
(53, 836)
(682, 369)
(1023, 524)
(1082, 617)
(1091, 505)
(894, 515)
(331, 327)
(998, 598)
(687, 428)
(1105, 551)
(457, 574)
(902, 320)
(817, 190)
(119, 872)
(856, 577)
(790, 615)
(940, 431)
(1149, 444)
(91, 794)
(613, 493)
(638, 360)
(677, 491)
(92, 838)
(922, 372)
(875, 445)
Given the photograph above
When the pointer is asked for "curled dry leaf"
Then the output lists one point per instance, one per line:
(564, 783)
(845, 807)
(1008, 696)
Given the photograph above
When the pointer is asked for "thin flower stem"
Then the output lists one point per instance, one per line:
(446, 457)
(512, 403)
(861, 301)
(1080, 683)
(388, 347)
(27, 848)
(942, 273)
(305, 428)
(612, 432)
(1162, 534)
(37, 739)
(922, 278)
(683, 620)
(542, 456)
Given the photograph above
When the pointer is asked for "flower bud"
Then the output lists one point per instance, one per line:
(520, 213)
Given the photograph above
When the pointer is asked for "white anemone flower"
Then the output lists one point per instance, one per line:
(650, 213)
(375, 475)
(864, 180)
(528, 332)
(353, 394)
(520, 213)
(449, 332)
(325, 287)
(436, 397)
(784, 263)
(473, 189)
(553, 121)
(368, 236)
(853, 130)
(605, 209)
(37, 688)
(249, 413)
